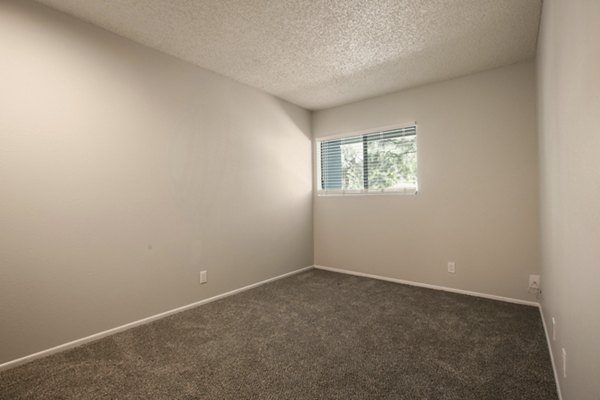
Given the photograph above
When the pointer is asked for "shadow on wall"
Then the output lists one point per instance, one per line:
(123, 171)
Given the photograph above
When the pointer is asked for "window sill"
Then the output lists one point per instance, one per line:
(404, 192)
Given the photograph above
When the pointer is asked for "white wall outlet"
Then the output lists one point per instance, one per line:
(203, 277)
(534, 282)
(451, 267)
(553, 328)
(564, 362)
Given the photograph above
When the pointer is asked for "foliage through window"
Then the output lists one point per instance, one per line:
(376, 162)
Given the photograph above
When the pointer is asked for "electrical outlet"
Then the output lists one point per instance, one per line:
(564, 362)
(451, 267)
(534, 282)
(203, 277)
(553, 328)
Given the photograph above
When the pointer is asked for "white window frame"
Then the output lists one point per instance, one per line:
(408, 190)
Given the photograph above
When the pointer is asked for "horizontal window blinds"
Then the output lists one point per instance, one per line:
(383, 161)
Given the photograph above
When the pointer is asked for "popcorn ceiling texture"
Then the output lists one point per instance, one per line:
(320, 54)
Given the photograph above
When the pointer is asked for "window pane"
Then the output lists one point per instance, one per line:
(392, 162)
(352, 166)
(377, 161)
(342, 164)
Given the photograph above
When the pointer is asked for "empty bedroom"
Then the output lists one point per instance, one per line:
(300, 199)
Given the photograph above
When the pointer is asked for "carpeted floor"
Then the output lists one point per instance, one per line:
(316, 335)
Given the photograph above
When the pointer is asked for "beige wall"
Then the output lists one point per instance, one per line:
(569, 126)
(123, 173)
(478, 200)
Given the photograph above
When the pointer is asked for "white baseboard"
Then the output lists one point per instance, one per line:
(100, 335)
(428, 286)
(551, 354)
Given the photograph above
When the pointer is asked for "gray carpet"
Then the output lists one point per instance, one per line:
(316, 335)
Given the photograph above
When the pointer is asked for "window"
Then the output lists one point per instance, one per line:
(378, 162)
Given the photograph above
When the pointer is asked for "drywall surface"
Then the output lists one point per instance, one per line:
(123, 173)
(478, 188)
(569, 129)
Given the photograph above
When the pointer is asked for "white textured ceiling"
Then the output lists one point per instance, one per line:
(323, 53)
